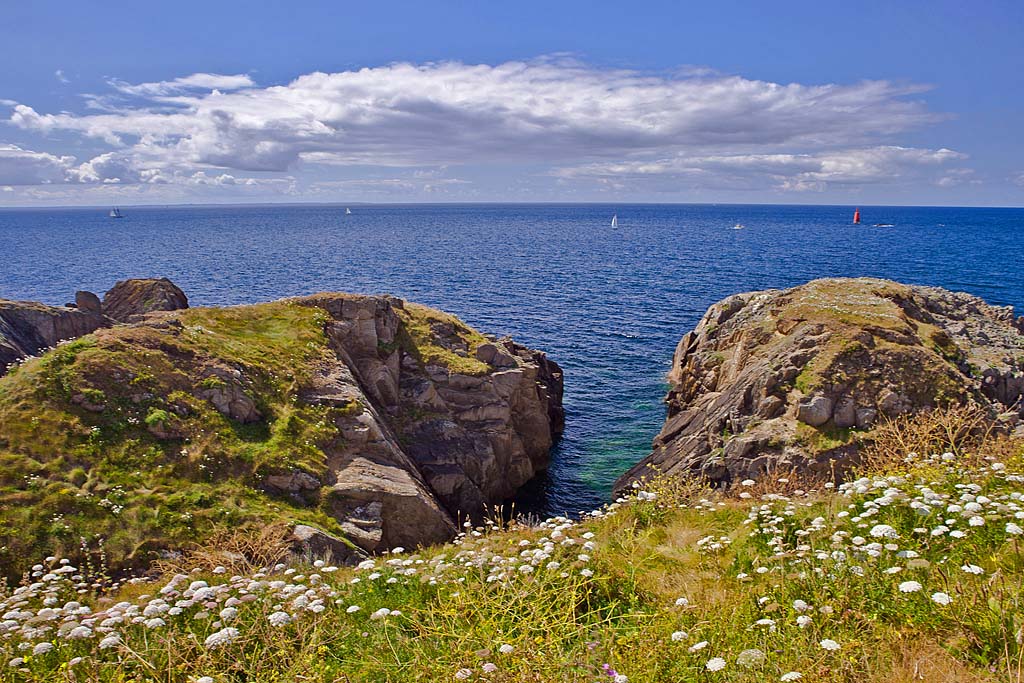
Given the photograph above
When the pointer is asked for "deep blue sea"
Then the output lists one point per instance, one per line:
(608, 304)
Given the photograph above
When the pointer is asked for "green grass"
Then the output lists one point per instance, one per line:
(141, 493)
(768, 574)
(419, 336)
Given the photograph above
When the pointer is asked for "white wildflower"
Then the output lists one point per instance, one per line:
(279, 618)
(221, 637)
(715, 664)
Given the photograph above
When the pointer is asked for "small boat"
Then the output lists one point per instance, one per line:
(884, 225)
(116, 213)
(348, 211)
(615, 221)
(738, 226)
(856, 216)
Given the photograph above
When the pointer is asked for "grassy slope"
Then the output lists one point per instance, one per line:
(70, 476)
(749, 566)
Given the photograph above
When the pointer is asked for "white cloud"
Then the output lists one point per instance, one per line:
(453, 112)
(815, 171)
(198, 81)
(25, 167)
(59, 75)
(607, 126)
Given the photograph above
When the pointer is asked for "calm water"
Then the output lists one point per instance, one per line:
(608, 305)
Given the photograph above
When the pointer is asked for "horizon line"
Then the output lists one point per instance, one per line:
(175, 205)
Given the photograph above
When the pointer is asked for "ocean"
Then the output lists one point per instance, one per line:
(607, 304)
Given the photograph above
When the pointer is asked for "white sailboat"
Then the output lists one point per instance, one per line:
(116, 213)
(615, 220)
(348, 211)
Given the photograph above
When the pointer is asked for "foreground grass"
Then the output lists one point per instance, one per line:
(911, 573)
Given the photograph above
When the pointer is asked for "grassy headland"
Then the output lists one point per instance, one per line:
(910, 571)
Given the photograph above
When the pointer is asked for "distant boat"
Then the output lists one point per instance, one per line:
(348, 211)
(738, 226)
(116, 213)
(856, 216)
(884, 225)
(615, 221)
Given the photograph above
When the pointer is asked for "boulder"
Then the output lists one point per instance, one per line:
(130, 298)
(815, 411)
(315, 544)
(295, 481)
(87, 301)
(763, 371)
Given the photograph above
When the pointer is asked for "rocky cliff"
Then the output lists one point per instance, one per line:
(775, 380)
(28, 327)
(369, 421)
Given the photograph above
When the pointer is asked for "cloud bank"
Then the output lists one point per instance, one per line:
(586, 124)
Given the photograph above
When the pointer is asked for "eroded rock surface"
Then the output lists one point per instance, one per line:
(428, 444)
(781, 379)
(27, 328)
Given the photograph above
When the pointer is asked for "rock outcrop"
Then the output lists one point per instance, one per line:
(778, 380)
(26, 328)
(130, 298)
(433, 442)
(369, 421)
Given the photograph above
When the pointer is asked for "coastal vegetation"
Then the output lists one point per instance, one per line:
(133, 441)
(108, 446)
(911, 570)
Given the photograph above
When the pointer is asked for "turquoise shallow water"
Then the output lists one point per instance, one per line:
(608, 305)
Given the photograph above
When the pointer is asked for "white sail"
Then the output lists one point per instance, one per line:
(615, 221)
(348, 211)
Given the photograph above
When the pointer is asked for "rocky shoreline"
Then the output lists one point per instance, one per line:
(392, 420)
(793, 379)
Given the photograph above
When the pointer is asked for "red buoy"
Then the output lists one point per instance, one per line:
(856, 215)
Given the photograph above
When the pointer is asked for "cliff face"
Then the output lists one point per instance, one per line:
(26, 328)
(377, 421)
(473, 418)
(783, 379)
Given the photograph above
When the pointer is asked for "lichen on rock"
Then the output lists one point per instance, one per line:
(794, 379)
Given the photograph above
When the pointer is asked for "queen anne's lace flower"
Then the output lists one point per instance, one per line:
(221, 638)
(715, 664)
(279, 618)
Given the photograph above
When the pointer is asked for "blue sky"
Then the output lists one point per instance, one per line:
(800, 102)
